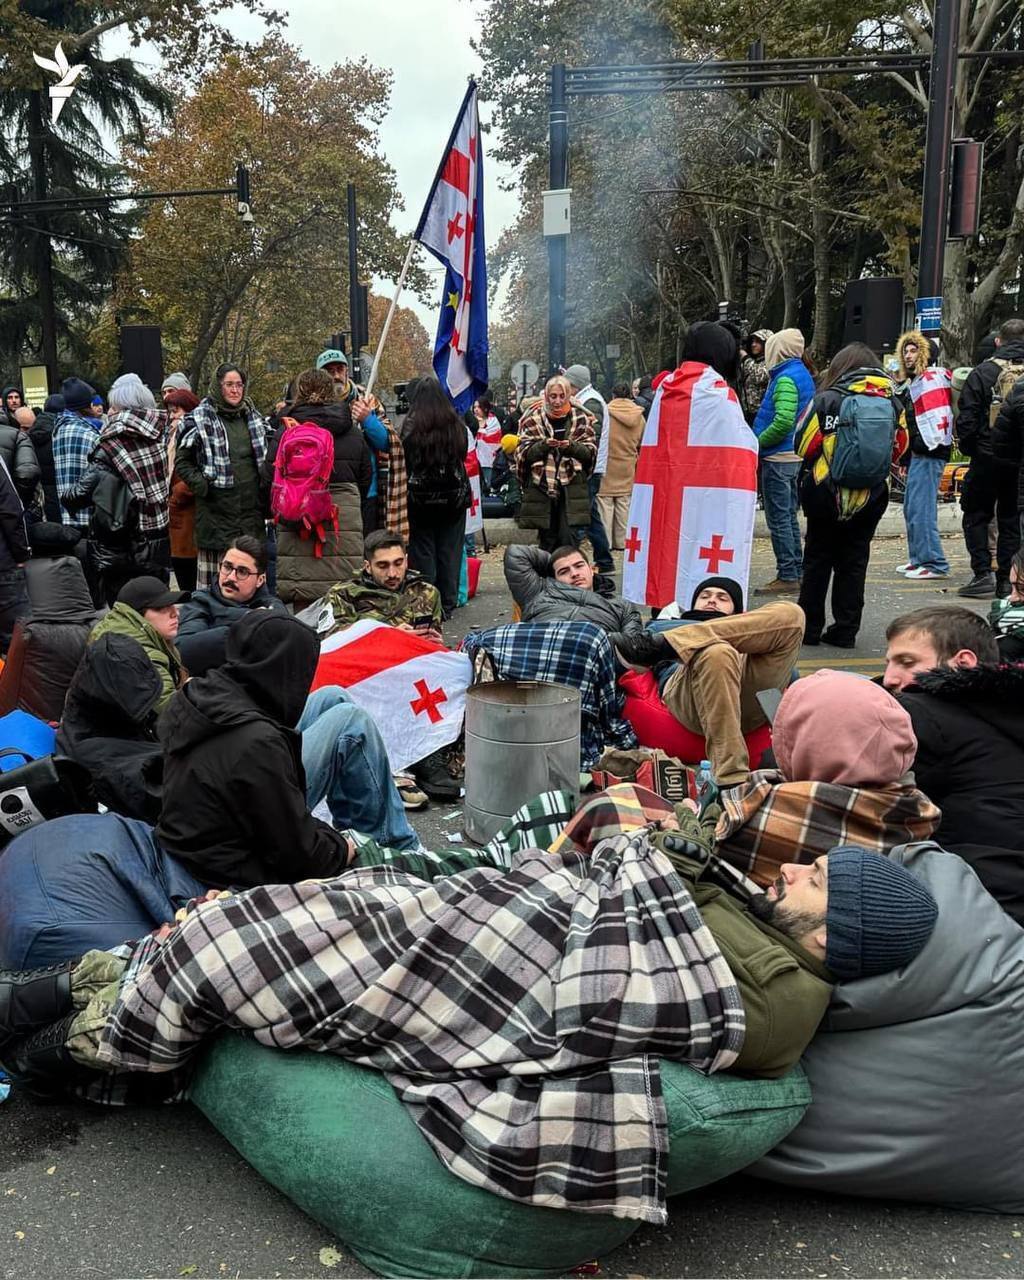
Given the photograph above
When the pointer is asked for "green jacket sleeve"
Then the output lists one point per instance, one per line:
(188, 470)
(786, 401)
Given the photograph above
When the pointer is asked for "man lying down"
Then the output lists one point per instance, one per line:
(519, 1011)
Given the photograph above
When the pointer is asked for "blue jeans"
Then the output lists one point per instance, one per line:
(780, 490)
(921, 512)
(598, 534)
(345, 761)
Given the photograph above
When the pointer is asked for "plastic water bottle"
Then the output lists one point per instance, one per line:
(707, 787)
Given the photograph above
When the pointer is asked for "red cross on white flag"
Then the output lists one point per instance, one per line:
(692, 512)
(414, 689)
(475, 510)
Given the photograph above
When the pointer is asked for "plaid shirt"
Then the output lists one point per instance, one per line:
(135, 442)
(577, 654)
(768, 821)
(520, 1014)
(74, 438)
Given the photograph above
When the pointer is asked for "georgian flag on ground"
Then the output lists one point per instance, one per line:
(692, 510)
(414, 689)
(452, 228)
(932, 394)
(475, 510)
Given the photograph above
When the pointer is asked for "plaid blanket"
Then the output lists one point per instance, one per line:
(135, 442)
(518, 1013)
(74, 439)
(577, 654)
(768, 821)
(203, 430)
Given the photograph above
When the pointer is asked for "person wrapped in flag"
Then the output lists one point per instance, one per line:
(926, 391)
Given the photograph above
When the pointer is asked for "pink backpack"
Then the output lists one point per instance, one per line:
(300, 493)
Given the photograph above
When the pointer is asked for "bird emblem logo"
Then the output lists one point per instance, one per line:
(63, 89)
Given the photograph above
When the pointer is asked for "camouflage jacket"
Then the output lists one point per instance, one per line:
(361, 597)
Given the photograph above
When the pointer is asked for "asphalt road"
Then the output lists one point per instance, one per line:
(92, 1193)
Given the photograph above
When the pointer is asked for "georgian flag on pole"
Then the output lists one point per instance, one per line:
(414, 689)
(692, 512)
(452, 228)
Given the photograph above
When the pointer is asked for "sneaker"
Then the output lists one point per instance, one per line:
(433, 777)
(1003, 588)
(981, 587)
(905, 568)
(644, 651)
(779, 587)
(410, 794)
(922, 572)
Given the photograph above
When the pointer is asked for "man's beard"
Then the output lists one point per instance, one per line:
(794, 923)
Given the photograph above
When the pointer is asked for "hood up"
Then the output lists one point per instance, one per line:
(837, 727)
(271, 660)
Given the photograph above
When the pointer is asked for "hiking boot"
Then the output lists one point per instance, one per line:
(42, 1063)
(433, 777)
(779, 587)
(409, 793)
(981, 587)
(32, 998)
(645, 650)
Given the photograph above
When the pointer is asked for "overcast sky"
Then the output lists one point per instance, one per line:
(425, 43)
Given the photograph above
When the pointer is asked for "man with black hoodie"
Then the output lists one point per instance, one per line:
(990, 488)
(248, 752)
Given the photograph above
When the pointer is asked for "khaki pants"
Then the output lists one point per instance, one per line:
(614, 510)
(725, 663)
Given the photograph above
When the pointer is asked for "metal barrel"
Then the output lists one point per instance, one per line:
(522, 738)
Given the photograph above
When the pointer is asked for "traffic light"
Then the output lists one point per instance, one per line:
(242, 193)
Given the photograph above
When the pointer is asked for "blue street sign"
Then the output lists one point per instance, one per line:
(929, 314)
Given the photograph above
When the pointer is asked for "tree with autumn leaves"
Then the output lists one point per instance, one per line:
(265, 294)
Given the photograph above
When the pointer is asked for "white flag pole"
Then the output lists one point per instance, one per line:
(390, 316)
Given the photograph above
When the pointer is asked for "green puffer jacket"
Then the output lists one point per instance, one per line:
(224, 514)
(123, 620)
(785, 990)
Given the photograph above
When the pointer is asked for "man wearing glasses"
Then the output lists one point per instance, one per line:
(240, 586)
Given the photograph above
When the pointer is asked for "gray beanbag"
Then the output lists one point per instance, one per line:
(917, 1076)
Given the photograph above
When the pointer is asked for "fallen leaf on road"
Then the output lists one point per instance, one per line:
(189, 1270)
(19, 1235)
(329, 1257)
(52, 1170)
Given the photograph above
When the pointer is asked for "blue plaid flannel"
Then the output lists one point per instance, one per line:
(74, 439)
(578, 654)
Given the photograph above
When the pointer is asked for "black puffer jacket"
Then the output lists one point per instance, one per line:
(1008, 437)
(20, 458)
(969, 723)
(41, 435)
(234, 810)
(351, 453)
(972, 428)
(109, 725)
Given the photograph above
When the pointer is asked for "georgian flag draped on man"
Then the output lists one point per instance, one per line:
(692, 510)
(452, 228)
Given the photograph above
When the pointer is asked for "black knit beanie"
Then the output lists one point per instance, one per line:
(879, 915)
(729, 585)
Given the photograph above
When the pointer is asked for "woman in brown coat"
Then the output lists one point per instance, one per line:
(182, 501)
(625, 432)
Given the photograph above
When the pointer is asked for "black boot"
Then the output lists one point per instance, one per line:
(31, 998)
(644, 650)
(42, 1064)
(434, 778)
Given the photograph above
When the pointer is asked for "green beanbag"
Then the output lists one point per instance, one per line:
(337, 1141)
